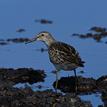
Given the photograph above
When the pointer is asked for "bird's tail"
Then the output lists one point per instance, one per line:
(81, 64)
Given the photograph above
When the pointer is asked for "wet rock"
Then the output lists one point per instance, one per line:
(20, 30)
(13, 40)
(21, 75)
(102, 83)
(2, 40)
(18, 40)
(13, 97)
(97, 35)
(44, 21)
(98, 29)
(84, 85)
(102, 88)
(104, 97)
(3, 43)
(100, 106)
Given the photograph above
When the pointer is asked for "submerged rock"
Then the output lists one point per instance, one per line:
(97, 35)
(20, 30)
(44, 21)
(13, 40)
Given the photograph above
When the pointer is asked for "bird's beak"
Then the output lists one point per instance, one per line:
(31, 40)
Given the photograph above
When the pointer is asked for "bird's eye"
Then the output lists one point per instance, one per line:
(42, 34)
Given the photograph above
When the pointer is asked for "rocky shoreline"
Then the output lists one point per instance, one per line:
(15, 97)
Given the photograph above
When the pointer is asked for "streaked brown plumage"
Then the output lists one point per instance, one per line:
(62, 55)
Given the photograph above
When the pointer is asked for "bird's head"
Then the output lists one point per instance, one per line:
(44, 36)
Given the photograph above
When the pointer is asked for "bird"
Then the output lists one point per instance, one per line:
(62, 55)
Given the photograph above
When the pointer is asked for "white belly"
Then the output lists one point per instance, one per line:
(66, 67)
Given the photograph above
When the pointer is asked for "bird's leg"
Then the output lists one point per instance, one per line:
(76, 81)
(56, 85)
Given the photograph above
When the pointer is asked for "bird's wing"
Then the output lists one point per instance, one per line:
(63, 53)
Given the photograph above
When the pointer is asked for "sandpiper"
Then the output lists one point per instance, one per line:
(63, 56)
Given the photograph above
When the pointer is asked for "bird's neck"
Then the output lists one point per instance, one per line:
(50, 41)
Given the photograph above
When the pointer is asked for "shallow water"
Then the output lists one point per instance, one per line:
(68, 17)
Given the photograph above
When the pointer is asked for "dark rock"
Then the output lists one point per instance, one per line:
(98, 34)
(84, 85)
(102, 83)
(20, 30)
(104, 97)
(14, 40)
(13, 97)
(98, 29)
(18, 40)
(21, 75)
(100, 106)
(44, 21)
(3, 43)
